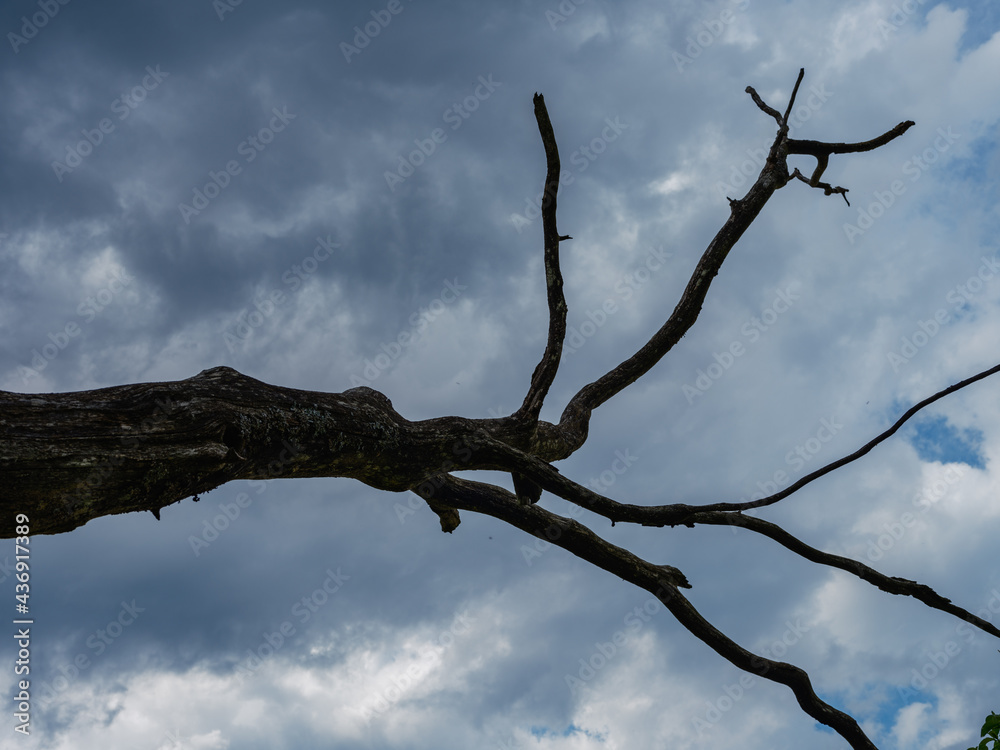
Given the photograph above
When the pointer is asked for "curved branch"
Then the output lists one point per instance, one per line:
(862, 451)
(545, 371)
(822, 153)
(675, 514)
(826, 187)
(889, 584)
(663, 581)
(764, 107)
(819, 148)
(574, 422)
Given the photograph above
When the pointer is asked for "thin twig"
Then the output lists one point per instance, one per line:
(889, 584)
(863, 450)
(791, 99)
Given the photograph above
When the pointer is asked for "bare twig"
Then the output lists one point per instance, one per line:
(827, 188)
(889, 584)
(791, 99)
(822, 153)
(863, 450)
(763, 107)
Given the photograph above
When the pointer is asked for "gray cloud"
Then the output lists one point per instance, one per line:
(339, 200)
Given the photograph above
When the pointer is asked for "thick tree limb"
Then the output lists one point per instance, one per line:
(67, 458)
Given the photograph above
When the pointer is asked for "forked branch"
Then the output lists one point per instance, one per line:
(574, 422)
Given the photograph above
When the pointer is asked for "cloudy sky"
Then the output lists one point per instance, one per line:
(293, 189)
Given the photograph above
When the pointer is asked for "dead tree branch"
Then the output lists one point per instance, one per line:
(68, 458)
(663, 581)
(545, 371)
(574, 422)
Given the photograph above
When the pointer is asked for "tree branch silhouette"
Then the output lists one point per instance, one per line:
(68, 458)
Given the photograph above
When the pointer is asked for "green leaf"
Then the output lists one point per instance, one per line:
(992, 725)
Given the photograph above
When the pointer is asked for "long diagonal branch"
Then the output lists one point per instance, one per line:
(862, 451)
(574, 422)
(889, 584)
(545, 371)
(550, 479)
(663, 581)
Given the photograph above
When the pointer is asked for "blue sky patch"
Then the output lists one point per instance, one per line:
(983, 22)
(937, 440)
(888, 700)
(567, 732)
(976, 166)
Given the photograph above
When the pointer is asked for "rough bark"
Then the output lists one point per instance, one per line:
(70, 457)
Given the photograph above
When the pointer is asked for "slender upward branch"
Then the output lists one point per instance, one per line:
(545, 371)
(862, 451)
(791, 99)
(574, 422)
